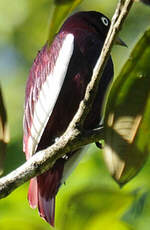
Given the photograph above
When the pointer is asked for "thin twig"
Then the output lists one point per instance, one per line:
(73, 138)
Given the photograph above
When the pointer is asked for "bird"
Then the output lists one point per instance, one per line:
(55, 87)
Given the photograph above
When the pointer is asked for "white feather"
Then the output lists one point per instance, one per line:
(72, 163)
(49, 93)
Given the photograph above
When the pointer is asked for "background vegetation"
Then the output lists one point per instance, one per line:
(90, 199)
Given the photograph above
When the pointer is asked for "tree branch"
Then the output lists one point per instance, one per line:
(43, 160)
(74, 137)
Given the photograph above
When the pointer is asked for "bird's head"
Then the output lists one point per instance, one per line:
(91, 21)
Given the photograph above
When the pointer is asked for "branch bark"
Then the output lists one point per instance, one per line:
(74, 137)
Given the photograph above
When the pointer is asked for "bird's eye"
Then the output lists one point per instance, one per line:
(105, 21)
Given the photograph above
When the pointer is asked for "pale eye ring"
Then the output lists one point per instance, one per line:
(105, 21)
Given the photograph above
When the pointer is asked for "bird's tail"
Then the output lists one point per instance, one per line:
(43, 189)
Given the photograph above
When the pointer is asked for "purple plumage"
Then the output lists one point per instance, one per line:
(55, 87)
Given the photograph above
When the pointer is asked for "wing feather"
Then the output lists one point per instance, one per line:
(43, 87)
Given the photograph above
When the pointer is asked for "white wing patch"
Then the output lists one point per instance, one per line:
(49, 93)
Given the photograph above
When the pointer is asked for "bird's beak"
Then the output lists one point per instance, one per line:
(118, 41)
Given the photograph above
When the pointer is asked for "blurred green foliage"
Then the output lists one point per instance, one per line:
(61, 10)
(90, 199)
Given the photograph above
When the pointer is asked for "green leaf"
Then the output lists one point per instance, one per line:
(96, 208)
(136, 209)
(127, 120)
(105, 221)
(147, 2)
(61, 10)
(4, 133)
